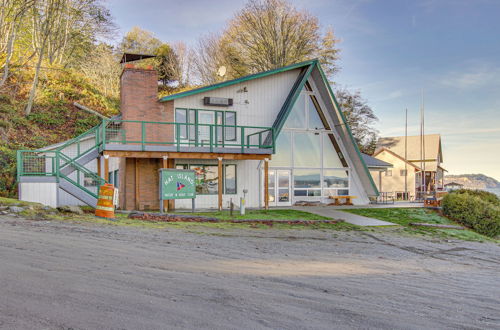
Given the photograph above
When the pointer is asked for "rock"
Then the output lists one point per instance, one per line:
(71, 209)
(4, 208)
(16, 209)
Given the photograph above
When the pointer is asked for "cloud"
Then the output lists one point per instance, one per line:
(475, 76)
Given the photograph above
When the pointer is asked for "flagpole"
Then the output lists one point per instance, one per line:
(406, 153)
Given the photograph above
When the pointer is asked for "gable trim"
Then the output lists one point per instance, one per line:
(237, 81)
(344, 120)
(395, 155)
(291, 99)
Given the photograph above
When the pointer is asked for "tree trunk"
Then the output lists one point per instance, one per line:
(9, 56)
(31, 98)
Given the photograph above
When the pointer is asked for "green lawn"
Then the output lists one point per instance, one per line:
(404, 216)
(261, 215)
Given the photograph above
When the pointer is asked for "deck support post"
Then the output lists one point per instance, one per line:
(137, 184)
(99, 170)
(168, 163)
(106, 167)
(219, 165)
(266, 183)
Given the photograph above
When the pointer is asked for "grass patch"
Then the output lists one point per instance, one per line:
(197, 227)
(404, 216)
(261, 215)
(16, 202)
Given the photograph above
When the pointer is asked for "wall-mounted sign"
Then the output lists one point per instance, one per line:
(218, 101)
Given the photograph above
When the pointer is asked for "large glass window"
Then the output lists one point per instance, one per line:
(335, 179)
(207, 178)
(315, 121)
(230, 179)
(307, 182)
(297, 116)
(230, 120)
(181, 117)
(283, 155)
(307, 150)
(331, 153)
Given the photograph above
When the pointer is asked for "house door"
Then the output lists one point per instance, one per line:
(279, 188)
(205, 117)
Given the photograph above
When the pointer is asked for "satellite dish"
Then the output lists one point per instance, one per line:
(222, 71)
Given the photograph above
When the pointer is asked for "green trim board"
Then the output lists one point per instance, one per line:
(337, 106)
(291, 99)
(237, 81)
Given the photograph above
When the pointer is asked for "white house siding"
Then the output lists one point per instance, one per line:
(39, 192)
(265, 98)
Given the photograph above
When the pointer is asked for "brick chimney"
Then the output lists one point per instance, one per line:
(139, 101)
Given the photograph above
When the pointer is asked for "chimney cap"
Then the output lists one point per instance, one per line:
(129, 57)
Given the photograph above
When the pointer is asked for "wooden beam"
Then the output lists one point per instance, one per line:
(183, 155)
(136, 184)
(106, 168)
(219, 166)
(99, 170)
(266, 183)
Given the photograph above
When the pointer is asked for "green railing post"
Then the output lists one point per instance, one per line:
(242, 140)
(177, 137)
(57, 166)
(143, 134)
(19, 164)
(260, 140)
(211, 137)
(104, 134)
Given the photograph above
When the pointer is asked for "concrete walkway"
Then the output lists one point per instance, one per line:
(336, 214)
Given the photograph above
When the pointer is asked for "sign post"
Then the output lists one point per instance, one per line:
(176, 184)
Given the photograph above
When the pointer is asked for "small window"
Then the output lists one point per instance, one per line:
(388, 173)
(230, 179)
(403, 173)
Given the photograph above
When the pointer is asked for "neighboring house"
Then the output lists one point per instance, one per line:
(284, 124)
(453, 186)
(377, 169)
(405, 180)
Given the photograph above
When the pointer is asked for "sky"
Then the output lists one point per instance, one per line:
(397, 53)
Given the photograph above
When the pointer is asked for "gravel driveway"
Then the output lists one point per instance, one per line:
(56, 275)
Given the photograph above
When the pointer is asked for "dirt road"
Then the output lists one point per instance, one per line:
(56, 275)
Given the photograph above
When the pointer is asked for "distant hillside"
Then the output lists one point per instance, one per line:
(473, 181)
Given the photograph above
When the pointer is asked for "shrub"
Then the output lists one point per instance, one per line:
(473, 211)
(482, 194)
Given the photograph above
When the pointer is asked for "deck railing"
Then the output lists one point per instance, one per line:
(178, 135)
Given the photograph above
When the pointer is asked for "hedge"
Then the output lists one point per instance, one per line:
(483, 194)
(469, 209)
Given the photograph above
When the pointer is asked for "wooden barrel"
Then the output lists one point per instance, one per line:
(105, 207)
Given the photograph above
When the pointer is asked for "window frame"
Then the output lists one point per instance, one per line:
(224, 188)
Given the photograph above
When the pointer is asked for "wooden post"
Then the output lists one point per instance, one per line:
(165, 162)
(99, 170)
(266, 183)
(219, 164)
(136, 184)
(169, 163)
(106, 167)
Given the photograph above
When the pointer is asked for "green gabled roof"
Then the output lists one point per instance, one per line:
(238, 80)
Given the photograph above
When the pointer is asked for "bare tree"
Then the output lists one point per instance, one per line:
(103, 70)
(267, 34)
(44, 15)
(360, 117)
(12, 13)
(185, 63)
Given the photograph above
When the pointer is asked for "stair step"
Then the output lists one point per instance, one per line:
(78, 193)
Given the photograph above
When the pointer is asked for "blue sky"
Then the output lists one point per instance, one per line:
(391, 51)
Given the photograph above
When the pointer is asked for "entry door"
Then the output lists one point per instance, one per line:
(205, 117)
(279, 188)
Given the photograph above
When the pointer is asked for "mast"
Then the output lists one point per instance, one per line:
(406, 153)
(423, 136)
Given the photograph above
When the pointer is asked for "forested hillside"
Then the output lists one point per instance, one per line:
(57, 52)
